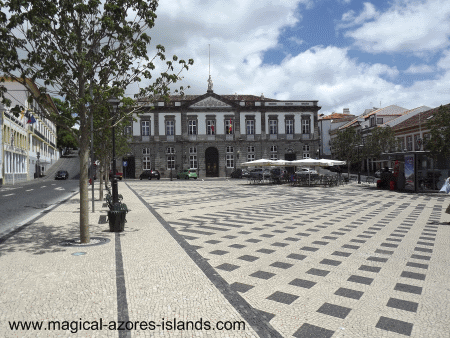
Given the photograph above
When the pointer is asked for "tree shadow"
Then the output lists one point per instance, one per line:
(39, 238)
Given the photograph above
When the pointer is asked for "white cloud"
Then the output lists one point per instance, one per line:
(420, 69)
(239, 42)
(444, 62)
(408, 26)
(349, 19)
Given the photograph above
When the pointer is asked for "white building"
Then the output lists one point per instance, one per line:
(216, 133)
(28, 140)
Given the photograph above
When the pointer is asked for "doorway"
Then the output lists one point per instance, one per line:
(130, 170)
(212, 162)
(290, 157)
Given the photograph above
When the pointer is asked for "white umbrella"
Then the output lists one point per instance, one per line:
(258, 163)
(281, 163)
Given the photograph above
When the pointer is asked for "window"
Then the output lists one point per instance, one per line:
(229, 126)
(146, 163)
(210, 126)
(251, 149)
(170, 127)
(192, 128)
(289, 126)
(250, 157)
(401, 143)
(170, 150)
(273, 149)
(127, 130)
(306, 151)
(171, 162)
(273, 157)
(306, 126)
(146, 151)
(372, 121)
(230, 149)
(193, 162)
(409, 143)
(379, 120)
(145, 128)
(193, 150)
(230, 161)
(273, 127)
(250, 127)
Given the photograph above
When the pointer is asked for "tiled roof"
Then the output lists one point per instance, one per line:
(335, 116)
(386, 111)
(417, 119)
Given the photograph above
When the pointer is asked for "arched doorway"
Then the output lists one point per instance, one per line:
(290, 157)
(212, 162)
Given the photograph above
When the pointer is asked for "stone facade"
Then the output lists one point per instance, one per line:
(216, 133)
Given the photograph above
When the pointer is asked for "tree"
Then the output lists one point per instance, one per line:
(439, 124)
(65, 138)
(74, 47)
(381, 140)
(346, 146)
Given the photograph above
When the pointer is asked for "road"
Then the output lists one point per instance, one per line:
(24, 200)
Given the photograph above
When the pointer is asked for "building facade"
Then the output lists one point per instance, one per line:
(216, 133)
(28, 140)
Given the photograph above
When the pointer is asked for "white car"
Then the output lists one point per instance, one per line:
(306, 171)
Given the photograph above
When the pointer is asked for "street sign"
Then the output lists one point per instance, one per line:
(125, 163)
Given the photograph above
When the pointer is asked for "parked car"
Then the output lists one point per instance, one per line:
(118, 175)
(187, 174)
(306, 171)
(239, 173)
(62, 175)
(259, 174)
(149, 174)
(277, 174)
(386, 170)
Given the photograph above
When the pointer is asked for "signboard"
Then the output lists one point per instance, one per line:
(125, 163)
(409, 172)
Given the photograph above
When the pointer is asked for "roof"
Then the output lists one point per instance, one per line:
(391, 110)
(418, 119)
(335, 116)
(233, 97)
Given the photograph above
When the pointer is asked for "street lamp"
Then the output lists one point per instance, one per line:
(359, 165)
(114, 103)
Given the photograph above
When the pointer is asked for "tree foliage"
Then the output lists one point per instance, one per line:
(345, 145)
(65, 138)
(439, 142)
(381, 140)
(71, 48)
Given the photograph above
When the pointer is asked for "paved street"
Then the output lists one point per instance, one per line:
(21, 201)
(349, 261)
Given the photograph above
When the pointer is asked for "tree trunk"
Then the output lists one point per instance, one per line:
(84, 179)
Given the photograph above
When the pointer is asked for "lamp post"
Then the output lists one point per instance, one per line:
(114, 103)
(359, 165)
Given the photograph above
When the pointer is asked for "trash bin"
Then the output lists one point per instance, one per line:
(116, 217)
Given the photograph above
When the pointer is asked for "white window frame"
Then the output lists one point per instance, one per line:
(250, 157)
(230, 160)
(210, 127)
(273, 127)
(289, 127)
(250, 127)
(306, 126)
(145, 151)
(146, 163)
(192, 127)
(227, 127)
(170, 127)
(251, 149)
(193, 161)
(145, 128)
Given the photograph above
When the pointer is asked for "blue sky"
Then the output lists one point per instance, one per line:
(344, 53)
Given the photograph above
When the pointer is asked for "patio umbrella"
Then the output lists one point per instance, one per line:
(281, 163)
(258, 163)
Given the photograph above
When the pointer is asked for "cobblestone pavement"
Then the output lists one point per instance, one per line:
(349, 261)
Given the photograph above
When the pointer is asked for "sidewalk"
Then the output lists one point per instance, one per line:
(142, 274)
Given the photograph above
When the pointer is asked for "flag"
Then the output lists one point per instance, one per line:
(22, 113)
(231, 128)
(31, 119)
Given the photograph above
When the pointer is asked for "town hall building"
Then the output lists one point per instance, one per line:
(215, 133)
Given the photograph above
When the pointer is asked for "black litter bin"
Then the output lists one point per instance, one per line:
(116, 217)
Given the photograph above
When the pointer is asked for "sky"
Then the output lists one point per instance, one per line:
(343, 53)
